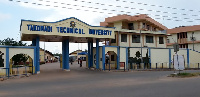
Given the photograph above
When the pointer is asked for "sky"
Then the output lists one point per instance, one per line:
(170, 13)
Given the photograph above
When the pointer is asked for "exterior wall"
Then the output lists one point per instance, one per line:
(49, 57)
(172, 38)
(150, 44)
(115, 44)
(196, 35)
(14, 51)
(135, 25)
(160, 56)
(118, 25)
(42, 56)
(126, 44)
(196, 46)
(194, 59)
(123, 56)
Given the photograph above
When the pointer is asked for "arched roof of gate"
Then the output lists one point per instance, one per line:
(72, 28)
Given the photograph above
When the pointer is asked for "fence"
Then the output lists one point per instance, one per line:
(16, 71)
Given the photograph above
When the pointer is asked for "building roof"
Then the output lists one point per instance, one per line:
(131, 18)
(183, 29)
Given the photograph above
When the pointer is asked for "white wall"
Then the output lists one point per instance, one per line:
(196, 35)
(196, 46)
(126, 44)
(123, 55)
(173, 38)
(14, 51)
(118, 25)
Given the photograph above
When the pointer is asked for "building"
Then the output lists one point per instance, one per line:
(78, 54)
(48, 56)
(185, 36)
(136, 31)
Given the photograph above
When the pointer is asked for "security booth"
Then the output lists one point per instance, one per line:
(66, 31)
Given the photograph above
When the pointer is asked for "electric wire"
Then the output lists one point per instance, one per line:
(163, 16)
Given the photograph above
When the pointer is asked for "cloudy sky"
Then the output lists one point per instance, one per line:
(170, 13)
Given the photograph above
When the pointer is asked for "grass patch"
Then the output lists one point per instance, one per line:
(183, 75)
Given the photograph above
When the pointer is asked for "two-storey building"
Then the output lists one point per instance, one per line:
(136, 31)
(185, 36)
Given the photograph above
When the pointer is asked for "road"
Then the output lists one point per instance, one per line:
(82, 82)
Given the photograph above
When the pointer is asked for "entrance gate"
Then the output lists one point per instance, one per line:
(65, 31)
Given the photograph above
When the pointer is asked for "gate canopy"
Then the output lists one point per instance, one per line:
(76, 30)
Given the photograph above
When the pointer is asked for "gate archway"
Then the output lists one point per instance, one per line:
(65, 31)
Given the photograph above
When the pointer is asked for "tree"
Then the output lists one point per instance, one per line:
(19, 58)
(12, 42)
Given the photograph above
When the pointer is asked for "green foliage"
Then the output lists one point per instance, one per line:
(12, 42)
(183, 75)
(1, 59)
(56, 54)
(19, 58)
(138, 54)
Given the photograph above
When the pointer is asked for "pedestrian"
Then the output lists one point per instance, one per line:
(80, 62)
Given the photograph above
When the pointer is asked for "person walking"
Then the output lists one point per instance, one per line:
(80, 62)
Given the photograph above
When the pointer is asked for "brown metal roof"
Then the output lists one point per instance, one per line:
(183, 29)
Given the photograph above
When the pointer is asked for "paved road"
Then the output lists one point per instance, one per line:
(81, 82)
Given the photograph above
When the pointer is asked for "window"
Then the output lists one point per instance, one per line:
(113, 40)
(130, 26)
(149, 39)
(154, 29)
(161, 40)
(177, 35)
(123, 37)
(135, 38)
(148, 27)
(143, 26)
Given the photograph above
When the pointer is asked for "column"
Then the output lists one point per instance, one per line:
(36, 42)
(127, 58)
(89, 53)
(103, 57)
(97, 53)
(118, 57)
(91, 56)
(7, 62)
(170, 58)
(65, 53)
(188, 58)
